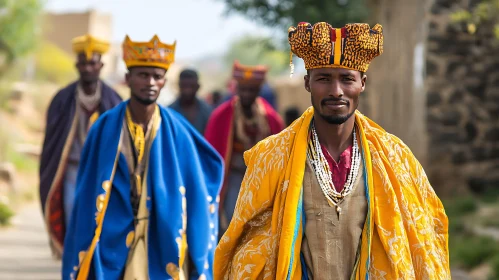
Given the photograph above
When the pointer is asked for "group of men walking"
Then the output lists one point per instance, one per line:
(133, 190)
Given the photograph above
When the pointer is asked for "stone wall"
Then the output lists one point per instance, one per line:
(61, 28)
(462, 82)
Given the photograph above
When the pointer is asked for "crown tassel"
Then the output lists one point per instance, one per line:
(291, 65)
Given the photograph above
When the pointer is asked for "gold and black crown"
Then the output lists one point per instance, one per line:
(353, 46)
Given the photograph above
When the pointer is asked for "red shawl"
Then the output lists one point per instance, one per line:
(219, 130)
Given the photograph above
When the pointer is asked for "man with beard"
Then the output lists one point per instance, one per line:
(334, 196)
(147, 186)
(236, 126)
(71, 113)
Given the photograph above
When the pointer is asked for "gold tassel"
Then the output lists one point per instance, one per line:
(291, 65)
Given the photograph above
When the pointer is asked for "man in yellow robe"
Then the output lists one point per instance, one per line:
(334, 196)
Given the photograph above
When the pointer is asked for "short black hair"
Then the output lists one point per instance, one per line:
(188, 74)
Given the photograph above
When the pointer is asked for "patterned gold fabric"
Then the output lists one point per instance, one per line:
(406, 231)
(353, 46)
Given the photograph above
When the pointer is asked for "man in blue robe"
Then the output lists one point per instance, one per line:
(71, 113)
(147, 188)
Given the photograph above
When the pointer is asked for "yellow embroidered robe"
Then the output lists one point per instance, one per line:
(406, 231)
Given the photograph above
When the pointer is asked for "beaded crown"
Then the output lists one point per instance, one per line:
(88, 45)
(150, 54)
(353, 46)
(249, 74)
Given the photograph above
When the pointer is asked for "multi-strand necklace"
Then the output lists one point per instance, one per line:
(323, 172)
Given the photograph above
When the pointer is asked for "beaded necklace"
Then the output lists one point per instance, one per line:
(323, 173)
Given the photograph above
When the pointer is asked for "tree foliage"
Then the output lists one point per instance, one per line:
(284, 13)
(251, 50)
(53, 64)
(19, 21)
(483, 14)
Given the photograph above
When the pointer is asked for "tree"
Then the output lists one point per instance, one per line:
(285, 13)
(485, 14)
(19, 21)
(253, 50)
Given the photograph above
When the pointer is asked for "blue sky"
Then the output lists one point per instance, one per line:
(199, 26)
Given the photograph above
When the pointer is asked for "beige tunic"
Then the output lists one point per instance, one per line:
(137, 262)
(331, 240)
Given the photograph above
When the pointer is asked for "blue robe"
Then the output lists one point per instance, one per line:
(182, 165)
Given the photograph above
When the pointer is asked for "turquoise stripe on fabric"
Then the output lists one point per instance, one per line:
(366, 185)
(304, 269)
(295, 235)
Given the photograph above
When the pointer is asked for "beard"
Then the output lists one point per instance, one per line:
(333, 119)
(339, 119)
(145, 101)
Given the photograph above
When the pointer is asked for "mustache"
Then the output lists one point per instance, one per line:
(336, 100)
(147, 89)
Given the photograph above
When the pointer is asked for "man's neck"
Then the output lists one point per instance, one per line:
(186, 103)
(89, 88)
(335, 137)
(141, 114)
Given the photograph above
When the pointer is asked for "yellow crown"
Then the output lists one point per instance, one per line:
(89, 45)
(353, 46)
(150, 54)
(249, 74)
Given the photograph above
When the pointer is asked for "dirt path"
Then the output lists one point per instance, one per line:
(24, 250)
(25, 254)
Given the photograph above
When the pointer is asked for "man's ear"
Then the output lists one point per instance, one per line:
(306, 80)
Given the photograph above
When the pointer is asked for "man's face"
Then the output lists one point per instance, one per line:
(335, 92)
(89, 69)
(188, 88)
(248, 93)
(146, 83)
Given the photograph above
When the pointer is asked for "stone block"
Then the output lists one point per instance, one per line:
(476, 88)
(441, 6)
(433, 99)
(492, 135)
(457, 70)
(431, 67)
(494, 154)
(481, 185)
(492, 107)
(457, 96)
(461, 157)
(471, 131)
(480, 153)
(450, 117)
(443, 138)
(478, 112)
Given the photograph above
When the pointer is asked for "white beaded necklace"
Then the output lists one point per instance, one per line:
(323, 173)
